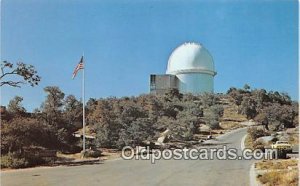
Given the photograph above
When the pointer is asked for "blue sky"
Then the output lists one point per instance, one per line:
(254, 42)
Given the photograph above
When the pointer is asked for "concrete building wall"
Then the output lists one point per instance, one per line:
(159, 84)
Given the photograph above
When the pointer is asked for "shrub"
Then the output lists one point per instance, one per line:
(255, 133)
(259, 145)
(212, 116)
(92, 153)
(36, 160)
(248, 108)
(279, 178)
(10, 161)
(271, 177)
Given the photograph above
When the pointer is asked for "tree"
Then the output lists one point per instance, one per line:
(102, 119)
(20, 133)
(136, 132)
(255, 133)
(248, 107)
(212, 116)
(90, 105)
(187, 121)
(208, 99)
(246, 87)
(15, 106)
(281, 98)
(236, 95)
(279, 116)
(173, 94)
(171, 109)
(72, 110)
(262, 118)
(26, 74)
(260, 97)
(52, 115)
(154, 107)
(53, 104)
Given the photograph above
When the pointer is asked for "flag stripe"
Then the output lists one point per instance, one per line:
(78, 67)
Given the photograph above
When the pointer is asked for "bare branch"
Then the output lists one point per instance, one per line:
(12, 83)
(26, 72)
(8, 73)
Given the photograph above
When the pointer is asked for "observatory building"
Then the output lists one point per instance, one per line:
(190, 70)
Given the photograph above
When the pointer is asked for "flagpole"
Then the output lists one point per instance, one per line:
(83, 107)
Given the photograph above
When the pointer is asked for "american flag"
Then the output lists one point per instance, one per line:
(78, 67)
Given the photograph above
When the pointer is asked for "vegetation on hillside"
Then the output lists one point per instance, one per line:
(131, 120)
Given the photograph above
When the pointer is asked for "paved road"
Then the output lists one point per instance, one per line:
(142, 172)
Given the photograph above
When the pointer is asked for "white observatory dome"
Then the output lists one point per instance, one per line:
(190, 58)
(194, 68)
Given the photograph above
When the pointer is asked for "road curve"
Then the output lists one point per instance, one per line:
(142, 172)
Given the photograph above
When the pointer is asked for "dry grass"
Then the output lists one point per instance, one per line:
(248, 142)
(294, 139)
(286, 178)
(231, 113)
(226, 125)
(276, 164)
(278, 172)
(69, 156)
(108, 154)
(231, 119)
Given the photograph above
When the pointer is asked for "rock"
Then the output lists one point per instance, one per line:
(284, 138)
(161, 139)
(265, 139)
(163, 136)
(166, 132)
(209, 137)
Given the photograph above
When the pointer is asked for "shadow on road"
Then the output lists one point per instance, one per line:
(79, 163)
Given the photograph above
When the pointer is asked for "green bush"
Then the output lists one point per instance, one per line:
(16, 160)
(35, 160)
(10, 161)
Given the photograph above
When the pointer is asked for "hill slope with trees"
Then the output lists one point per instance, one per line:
(117, 122)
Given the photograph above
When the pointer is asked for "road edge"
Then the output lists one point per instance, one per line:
(243, 142)
(253, 175)
(252, 171)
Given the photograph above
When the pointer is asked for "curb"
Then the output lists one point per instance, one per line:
(253, 180)
(252, 171)
(253, 175)
(243, 142)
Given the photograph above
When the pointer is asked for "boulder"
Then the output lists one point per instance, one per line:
(265, 139)
(163, 136)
